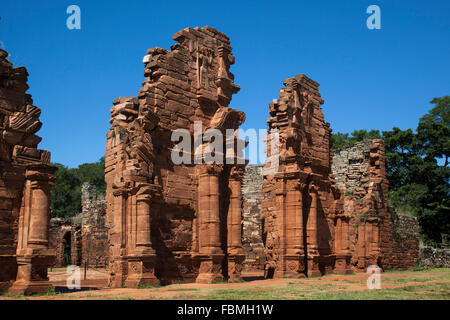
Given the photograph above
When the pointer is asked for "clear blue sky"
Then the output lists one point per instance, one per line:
(369, 78)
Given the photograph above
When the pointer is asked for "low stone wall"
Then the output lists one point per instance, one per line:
(434, 258)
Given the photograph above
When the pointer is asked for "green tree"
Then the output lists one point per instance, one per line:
(417, 167)
(340, 140)
(93, 173)
(66, 194)
(418, 173)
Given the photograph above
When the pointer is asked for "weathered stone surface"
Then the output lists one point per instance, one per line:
(376, 237)
(94, 228)
(299, 201)
(405, 250)
(434, 257)
(251, 218)
(324, 213)
(65, 239)
(26, 178)
(83, 239)
(174, 222)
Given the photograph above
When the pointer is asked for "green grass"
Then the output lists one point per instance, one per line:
(49, 292)
(10, 295)
(425, 292)
(411, 284)
(182, 289)
(150, 286)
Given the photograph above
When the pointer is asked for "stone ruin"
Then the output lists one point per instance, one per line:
(94, 228)
(65, 240)
(26, 178)
(183, 222)
(83, 239)
(199, 220)
(175, 222)
(324, 213)
(299, 201)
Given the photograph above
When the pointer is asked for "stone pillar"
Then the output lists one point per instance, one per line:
(33, 253)
(118, 263)
(361, 250)
(313, 246)
(141, 258)
(294, 231)
(236, 253)
(210, 252)
(280, 192)
(343, 256)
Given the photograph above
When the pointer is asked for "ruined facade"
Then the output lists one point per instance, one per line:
(299, 200)
(324, 213)
(26, 178)
(173, 222)
(375, 237)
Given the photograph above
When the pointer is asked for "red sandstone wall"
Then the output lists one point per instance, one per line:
(297, 201)
(26, 178)
(192, 82)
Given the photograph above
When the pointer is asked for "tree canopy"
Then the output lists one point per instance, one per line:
(66, 194)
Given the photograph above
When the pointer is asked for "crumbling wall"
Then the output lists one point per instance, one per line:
(65, 239)
(405, 250)
(193, 210)
(251, 218)
(94, 230)
(26, 178)
(299, 199)
(85, 236)
(375, 237)
(434, 257)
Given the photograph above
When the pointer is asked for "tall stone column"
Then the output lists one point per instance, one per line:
(141, 256)
(33, 253)
(118, 240)
(294, 230)
(361, 246)
(210, 252)
(236, 253)
(313, 245)
(343, 255)
(280, 192)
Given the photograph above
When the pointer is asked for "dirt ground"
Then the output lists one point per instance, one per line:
(425, 284)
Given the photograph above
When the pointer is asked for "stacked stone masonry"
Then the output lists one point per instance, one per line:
(167, 222)
(376, 236)
(251, 219)
(434, 257)
(83, 239)
(322, 213)
(65, 239)
(26, 178)
(175, 222)
(94, 228)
